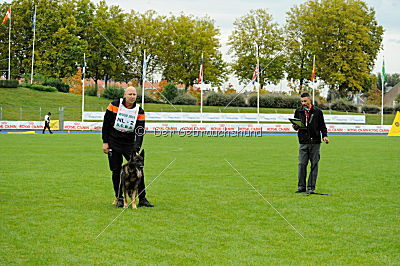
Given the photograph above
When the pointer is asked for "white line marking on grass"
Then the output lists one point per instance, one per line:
(297, 231)
(165, 168)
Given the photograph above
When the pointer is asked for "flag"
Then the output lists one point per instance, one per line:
(313, 71)
(34, 20)
(255, 74)
(7, 16)
(201, 72)
(383, 71)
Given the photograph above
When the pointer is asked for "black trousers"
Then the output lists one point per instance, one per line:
(115, 161)
(46, 125)
(308, 152)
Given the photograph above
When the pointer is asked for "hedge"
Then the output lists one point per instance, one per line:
(388, 110)
(370, 109)
(91, 91)
(113, 92)
(216, 99)
(58, 84)
(185, 99)
(275, 101)
(343, 105)
(43, 88)
(397, 108)
(219, 99)
(147, 99)
(236, 100)
(12, 83)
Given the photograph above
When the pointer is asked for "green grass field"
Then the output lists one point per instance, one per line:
(35, 104)
(56, 196)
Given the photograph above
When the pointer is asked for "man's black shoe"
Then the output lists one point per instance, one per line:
(144, 203)
(300, 190)
(120, 203)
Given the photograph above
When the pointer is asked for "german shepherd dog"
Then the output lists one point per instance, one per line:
(131, 173)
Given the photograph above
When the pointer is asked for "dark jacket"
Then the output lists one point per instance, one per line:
(122, 141)
(315, 127)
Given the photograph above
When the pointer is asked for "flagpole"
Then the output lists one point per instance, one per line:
(143, 76)
(258, 85)
(383, 88)
(313, 87)
(201, 88)
(9, 47)
(33, 46)
(83, 84)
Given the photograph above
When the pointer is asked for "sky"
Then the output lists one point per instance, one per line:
(224, 12)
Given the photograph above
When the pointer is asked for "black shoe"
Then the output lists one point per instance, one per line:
(120, 203)
(144, 203)
(300, 190)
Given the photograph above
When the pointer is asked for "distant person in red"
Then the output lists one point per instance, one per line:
(47, 123)
(310, 141)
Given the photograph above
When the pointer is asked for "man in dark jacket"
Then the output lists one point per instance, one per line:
(310, 141)
(122, 133)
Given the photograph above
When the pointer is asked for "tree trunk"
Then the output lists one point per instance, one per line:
(106, 81)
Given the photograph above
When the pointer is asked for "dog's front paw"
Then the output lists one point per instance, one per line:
(134, 206)
(125, 206)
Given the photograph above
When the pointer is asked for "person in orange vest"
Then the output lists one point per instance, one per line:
(122, 134)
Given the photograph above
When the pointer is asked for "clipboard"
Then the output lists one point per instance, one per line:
(296, 121)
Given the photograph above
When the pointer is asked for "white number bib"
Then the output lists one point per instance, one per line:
(126, 118)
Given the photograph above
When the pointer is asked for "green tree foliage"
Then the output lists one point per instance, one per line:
(344, 36)
(186, 39)
(170, 91)
(106, 43)
(67, 29)
(144, 32)
(391, 80)
(257, 29)
(298, 50)
(21, 37)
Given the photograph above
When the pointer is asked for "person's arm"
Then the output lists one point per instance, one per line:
(139, 129)
(323, 129)
(107, 124)
(296, 115)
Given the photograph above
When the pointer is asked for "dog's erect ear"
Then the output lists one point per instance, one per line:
(142, 154)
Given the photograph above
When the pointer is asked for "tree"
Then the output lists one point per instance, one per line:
(144, 32)
(345, 38)
(106, 43)
(58, 47)
(391, 80)
(186, 39)
(75, 82)
(251, 30)
(298, 50)
(170, 91)
(21, 37)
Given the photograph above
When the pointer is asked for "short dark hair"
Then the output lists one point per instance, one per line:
(305, 94)
(48, 113)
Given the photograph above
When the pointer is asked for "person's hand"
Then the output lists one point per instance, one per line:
(106, 148)
(296, 127)
(325, 139)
